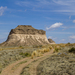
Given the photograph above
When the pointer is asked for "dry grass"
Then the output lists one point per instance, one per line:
(50, 47)
(39, 52)
(1, 49)
(11, 48)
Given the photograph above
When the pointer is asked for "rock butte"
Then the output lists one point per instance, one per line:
(26, 35)
(51, 41)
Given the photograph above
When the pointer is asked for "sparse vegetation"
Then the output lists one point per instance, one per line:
(37, 46)
(21, 47)
(50, 47)
(9, 55)
(58, 64)
(72, 50)
(68, 43)
(56, 49)
(0, 67)
(25, 54)
(39, 52)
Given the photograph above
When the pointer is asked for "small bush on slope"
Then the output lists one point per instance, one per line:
(21, 47)
(72, 50)
(25, 54)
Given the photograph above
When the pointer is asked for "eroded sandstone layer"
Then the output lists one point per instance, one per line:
(26, 35)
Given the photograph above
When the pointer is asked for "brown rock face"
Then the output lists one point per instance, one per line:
(26, 29)
(51, 41)
(26, 35)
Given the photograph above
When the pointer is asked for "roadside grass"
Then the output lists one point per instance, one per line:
(62, 61)
(26, 51)
(39, 52)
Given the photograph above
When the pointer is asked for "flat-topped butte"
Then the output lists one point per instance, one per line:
(26, 35)
(26, 29)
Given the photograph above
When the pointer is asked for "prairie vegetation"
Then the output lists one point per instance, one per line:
(72, 50)
(9, 55)
(60, 63)
(39, 52)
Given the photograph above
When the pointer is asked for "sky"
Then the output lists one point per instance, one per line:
(56, 17)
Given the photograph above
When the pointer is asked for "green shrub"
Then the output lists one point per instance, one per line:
(72, 50)
(21, 47)
(56, 49)
(25, 54)
(68, 43)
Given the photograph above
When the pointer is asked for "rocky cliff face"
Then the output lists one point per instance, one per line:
(51, 41)
(26, 35)
(26, 29)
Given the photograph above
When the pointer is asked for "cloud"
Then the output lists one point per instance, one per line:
(68, 27)
(64, 2)
(59, 32)
(62, 6)
(56, 25)
(73, 21)
(66, 6)
(62, 41)
(2, 9)
(36, 3)
(72, 37)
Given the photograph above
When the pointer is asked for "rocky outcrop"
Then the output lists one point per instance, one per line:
(26, 35)
(51, 41)
(26, 29)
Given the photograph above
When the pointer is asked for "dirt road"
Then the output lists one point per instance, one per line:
(17, 71)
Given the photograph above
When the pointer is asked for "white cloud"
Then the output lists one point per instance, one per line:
(36, 3)
(65, 6)
(62, 41)
(68, 27)
(56, 25)
(60, 33)
(64, 2)
(73, 21)
(62, 6)
(2, 9)
(72, 37)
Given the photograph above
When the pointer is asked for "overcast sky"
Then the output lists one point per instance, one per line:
(56, 17)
